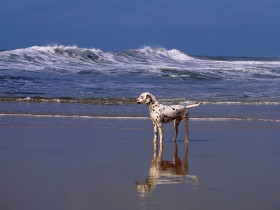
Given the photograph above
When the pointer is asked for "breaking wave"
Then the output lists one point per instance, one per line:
(162, 62)
(71, 58)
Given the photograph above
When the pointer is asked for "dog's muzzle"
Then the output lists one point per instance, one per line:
(137, 101)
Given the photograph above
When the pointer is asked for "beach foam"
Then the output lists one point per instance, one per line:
(133, 117)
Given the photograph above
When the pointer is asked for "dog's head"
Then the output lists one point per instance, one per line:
(145, 98)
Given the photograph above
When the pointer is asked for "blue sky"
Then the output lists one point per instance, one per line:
(200, 27)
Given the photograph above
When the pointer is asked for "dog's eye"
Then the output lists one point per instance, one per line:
(141, 97)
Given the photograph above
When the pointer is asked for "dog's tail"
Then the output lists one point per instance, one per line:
(194, 105)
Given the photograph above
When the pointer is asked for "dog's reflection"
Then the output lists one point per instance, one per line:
(167, 172)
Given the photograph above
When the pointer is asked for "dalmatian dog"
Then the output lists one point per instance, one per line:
(161, 114)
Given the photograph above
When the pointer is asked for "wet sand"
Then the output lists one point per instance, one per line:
(72, 163)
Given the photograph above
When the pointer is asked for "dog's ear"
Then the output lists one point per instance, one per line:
(148, 99)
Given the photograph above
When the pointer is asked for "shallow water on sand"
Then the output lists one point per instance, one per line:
(74, 163)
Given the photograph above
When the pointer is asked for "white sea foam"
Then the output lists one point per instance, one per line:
(74, 59)
(25, 99)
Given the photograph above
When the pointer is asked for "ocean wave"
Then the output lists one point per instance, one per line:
(69, 73)
(57, 55)
(146, 61)
(72, 59)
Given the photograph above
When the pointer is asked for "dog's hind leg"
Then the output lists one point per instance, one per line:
(186, 125)
(176, 125)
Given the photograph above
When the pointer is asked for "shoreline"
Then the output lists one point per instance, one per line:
(220, 112)
(130, 117)
(126, 101)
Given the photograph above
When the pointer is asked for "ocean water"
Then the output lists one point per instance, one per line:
(69, 74)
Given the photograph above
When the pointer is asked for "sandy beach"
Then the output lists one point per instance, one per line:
(77, 163)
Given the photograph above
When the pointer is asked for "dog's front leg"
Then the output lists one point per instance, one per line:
(160, 132)
(176, 124)
(155, 132)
